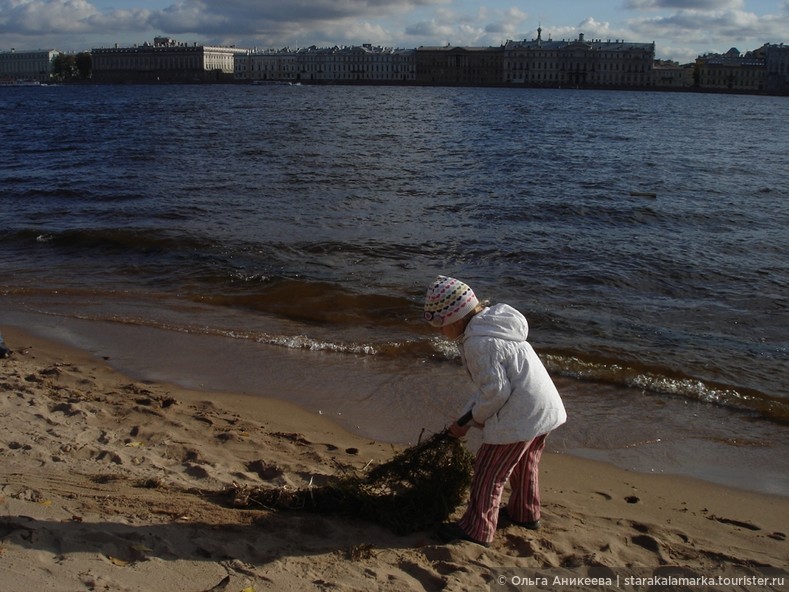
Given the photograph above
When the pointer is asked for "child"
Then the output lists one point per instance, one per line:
(515, 404)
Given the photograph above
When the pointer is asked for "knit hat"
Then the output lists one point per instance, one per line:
(447, 301)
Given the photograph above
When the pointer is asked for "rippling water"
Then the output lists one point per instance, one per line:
(643, 234)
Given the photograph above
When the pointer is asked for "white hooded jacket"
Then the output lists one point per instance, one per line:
(516, 399)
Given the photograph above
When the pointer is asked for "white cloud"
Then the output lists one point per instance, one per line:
(507, 23)
(45, 16)
(732, 25)
(124, 20)
(685, 4)
(197, 16)
(481, 27)
(191, 17)
(430, 29)
(591, 29)
(683, 54)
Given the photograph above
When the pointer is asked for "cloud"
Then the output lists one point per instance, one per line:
(684, 4)
(711, 31)
(509, 21)
(429, 29)
(70, 16)
(595, 29)
(591, 28)
(306, 10)
(705, 24)
(38, 17)
(483, 27)
(194, 16)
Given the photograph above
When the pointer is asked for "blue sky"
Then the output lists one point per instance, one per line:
(681, 29)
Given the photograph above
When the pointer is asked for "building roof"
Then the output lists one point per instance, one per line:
(449, 48)
(580, 43)
(729, 59)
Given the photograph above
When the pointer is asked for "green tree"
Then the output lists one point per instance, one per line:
(84, 63)
(64, 66)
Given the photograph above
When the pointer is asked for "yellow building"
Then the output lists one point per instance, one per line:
(731, 72)
(671, 75)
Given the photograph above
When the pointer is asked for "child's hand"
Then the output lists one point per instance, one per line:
(458, 431)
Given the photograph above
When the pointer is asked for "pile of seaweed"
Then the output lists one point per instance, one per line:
(418, 488)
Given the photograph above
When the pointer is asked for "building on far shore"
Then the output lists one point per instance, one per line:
(776, 60)
(465, 66)
(732, 71)
(27, 66)
(164, 60)
(269, 65)
(578, 63)
(672, 75)
(339, 64)
(539, 63)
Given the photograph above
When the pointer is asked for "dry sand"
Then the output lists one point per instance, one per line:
(101, 481)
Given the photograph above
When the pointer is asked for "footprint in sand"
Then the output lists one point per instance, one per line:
(645, 539)
(521, 546)
(738, 523)
(639, 527)
(264, 470)
(647, 542)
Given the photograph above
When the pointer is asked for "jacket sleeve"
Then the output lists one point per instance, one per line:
(486, 366)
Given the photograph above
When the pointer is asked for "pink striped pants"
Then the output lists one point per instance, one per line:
(495, 464)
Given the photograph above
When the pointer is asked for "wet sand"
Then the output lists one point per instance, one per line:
(392, 399)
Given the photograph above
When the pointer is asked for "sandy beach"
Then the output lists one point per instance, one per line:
(105, 485)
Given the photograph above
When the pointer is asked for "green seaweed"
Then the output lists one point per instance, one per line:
(417, 489)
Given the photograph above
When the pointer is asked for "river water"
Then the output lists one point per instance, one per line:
(279, 240)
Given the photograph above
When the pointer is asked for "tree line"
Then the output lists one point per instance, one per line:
(72, 66)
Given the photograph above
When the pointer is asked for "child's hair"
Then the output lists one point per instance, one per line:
(482, 305)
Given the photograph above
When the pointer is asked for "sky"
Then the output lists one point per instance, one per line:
(681, 29)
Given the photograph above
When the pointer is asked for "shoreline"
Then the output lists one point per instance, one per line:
(79, 439)
(395, 400)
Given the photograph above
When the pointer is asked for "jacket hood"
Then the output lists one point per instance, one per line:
(500, 321)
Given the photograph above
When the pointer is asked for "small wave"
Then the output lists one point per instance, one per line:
(315, 302)
(667, 383)
(417, 349)
(120, 240)
(307, 343)
(650, 380)
(422, 348)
